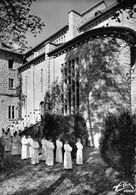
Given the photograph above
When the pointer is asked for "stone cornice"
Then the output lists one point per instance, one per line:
(124, 33)
(34, 60)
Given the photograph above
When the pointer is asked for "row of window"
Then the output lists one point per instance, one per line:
(70, 78)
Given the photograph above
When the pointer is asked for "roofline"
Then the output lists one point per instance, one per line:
(31, 61)
(95, 5)
(63, 28)
(16, 53)
(92, 33)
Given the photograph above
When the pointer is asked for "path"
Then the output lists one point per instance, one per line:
(25, 178)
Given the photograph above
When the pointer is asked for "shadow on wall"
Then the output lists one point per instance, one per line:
(102, 75)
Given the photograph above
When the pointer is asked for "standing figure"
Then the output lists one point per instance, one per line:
(14, 148)
(12, 130)
(30, 140)
(44, 146)
(79, 155)
(50, 154)
(67, 156)
(59, 150)
(35, 152)
(24, 153)
(25, 121)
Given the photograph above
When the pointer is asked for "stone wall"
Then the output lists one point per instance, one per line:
(8, 97)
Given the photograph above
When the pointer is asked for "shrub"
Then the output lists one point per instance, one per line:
(67, 127)
(117, 144)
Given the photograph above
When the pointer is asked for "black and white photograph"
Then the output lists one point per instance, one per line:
(67, 97)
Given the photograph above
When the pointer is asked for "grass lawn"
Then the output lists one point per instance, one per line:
(19, 177)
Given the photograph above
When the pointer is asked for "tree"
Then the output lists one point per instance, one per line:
(129, 7)
(16, 21)
(52, 100)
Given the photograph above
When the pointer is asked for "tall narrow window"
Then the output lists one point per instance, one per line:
(10, 64)
(26, 85)
(11, 112)
(11, 83)
(41, 80)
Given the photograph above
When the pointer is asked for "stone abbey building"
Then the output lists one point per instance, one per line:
(60, 57)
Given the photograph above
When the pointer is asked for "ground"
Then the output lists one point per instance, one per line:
(20, 177)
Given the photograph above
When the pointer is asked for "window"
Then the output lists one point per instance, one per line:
(11, 83)
(11, 112)
(10, 64)
(41, 80)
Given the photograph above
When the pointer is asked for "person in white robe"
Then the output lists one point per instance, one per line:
(44, 146)
(30, 140)
(28, 121)
(25, 121)
(67, 156)
(79, 154)
(50, 153)
(24, 153)
(12, 130)
(35, 152)
(59, 145)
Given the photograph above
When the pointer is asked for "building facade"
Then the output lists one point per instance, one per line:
(61, 56)
(9, 85)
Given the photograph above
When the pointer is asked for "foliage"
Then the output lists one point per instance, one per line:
(52, 99)
(16, 21)
(117, 144)
(66, 127)
(128, 7)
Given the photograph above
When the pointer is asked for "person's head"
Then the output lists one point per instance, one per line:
(58, 138)
(29, 136)
(78, 139)
(50, 139)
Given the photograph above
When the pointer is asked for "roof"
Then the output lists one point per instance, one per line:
(32, 61)
(59, 31)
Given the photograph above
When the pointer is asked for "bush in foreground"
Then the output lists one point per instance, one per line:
(117, 144)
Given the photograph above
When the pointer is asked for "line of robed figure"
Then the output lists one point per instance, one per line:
(31, 147)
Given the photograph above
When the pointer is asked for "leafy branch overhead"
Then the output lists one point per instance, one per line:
(16, 21)
(130, 10)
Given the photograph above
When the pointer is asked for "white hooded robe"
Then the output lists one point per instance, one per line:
(67, 157)
(35, 152)
(59, 151)
(24, 152)
(50, 154)
(79, 155)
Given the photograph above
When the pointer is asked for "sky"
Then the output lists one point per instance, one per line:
(55, 15)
